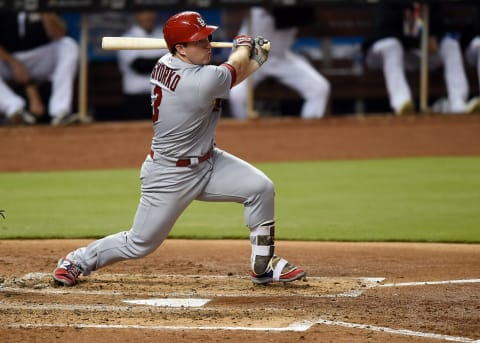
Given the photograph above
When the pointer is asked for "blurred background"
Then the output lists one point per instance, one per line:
(330, 39)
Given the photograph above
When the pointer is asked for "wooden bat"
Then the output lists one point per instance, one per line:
(138, 43)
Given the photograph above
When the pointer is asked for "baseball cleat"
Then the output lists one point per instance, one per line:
(473, 106)
(407, 108)
(278, 270)
(22, 117)
(67, 272)
(65, 119)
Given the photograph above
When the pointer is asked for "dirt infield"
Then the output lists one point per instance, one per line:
(198, 291)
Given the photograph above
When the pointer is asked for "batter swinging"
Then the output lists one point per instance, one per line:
(184, 164)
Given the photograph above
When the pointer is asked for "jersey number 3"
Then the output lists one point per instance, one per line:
(157, 91)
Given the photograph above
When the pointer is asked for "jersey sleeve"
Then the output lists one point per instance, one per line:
(216, 81)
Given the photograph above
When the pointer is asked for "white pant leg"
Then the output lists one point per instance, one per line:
(477, 40)
(454, 74)
(56, 62)
(238, 100)
(156, 214)
(297, 73)
(234, 180)
(63, 77)
(388, 54)
(9, 101)
(472, 55)
(293, 71)
(238, 95)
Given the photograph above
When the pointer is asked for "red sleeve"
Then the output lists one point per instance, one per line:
(232, 71)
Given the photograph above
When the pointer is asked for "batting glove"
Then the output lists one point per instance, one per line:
(243, 40)
(260, 50)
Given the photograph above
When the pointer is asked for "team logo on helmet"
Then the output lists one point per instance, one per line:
(201, 21)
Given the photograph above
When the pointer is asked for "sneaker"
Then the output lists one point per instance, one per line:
(473, 106)
(65, 119)
(67, 272)
(407, 108)
(278, 270)
(21, 117)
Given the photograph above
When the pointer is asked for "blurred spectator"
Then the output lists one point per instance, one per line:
(471, 37)
(34, 48)
(395, 46)
(280, 26)
(136, 66)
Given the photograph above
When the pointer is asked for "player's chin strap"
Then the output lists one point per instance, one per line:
(263, 246)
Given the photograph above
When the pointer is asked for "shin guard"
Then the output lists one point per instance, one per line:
(263, 246)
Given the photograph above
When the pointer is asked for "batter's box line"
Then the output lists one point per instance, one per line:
(384, 329)
(300, 326)
(430, 283)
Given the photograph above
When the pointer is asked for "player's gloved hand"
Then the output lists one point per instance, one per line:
(243, 40)
(260, 50)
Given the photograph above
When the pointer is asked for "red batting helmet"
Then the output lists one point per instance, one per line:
(186, 27)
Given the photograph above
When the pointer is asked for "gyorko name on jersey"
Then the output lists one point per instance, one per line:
(165, 76)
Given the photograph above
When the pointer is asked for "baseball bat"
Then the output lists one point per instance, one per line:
(141, 43)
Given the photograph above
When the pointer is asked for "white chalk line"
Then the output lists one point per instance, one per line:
(403, 332)
(429, 283)
(300, 326)
(296, 326)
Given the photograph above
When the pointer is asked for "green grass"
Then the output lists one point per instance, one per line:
(418, 199)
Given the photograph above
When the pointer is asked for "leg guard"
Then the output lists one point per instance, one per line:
(266, 266)
(263, 246)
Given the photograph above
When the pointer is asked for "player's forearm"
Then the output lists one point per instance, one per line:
(54, 25)
(5, 55)
(244, 66)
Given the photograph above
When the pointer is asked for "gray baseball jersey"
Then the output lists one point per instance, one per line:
(185, 105)
(184, 165)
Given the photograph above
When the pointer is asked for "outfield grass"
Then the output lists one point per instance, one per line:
(415, 199)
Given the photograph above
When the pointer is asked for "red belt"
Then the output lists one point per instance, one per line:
(189, 161)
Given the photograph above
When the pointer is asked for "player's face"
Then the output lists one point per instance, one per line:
(199, 52)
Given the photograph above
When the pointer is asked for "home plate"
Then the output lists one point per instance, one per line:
(164, 302)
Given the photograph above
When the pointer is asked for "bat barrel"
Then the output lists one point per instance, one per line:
(132, 43)
(142, 43)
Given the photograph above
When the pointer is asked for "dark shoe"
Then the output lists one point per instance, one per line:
(65, 119)
(21, 117)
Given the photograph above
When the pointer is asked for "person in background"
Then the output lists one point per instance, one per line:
(34, 48)
(394, 46)
(471, 43)
(136, 65)
(293, 70)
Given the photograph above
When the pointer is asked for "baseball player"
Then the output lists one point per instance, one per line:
(34, 47)
(289, 68)
(394, 46)
(136, 65)
(184, 163)
(471, 38)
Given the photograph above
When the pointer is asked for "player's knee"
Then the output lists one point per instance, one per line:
(319, 89)
(390, 45)
(68, 49)
(266, 188)
(140, 248)
(265, 192)
(259, 189)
